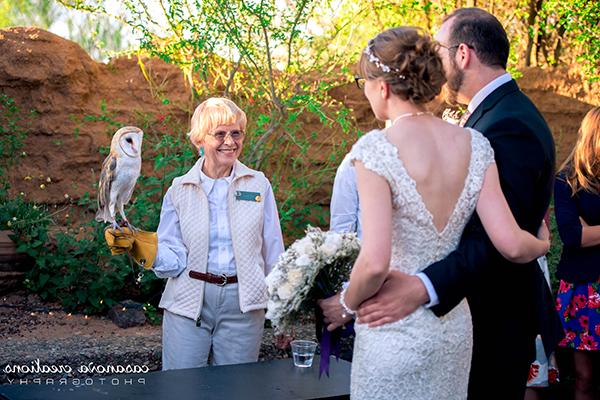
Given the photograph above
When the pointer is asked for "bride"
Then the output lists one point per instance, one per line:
(419, 181)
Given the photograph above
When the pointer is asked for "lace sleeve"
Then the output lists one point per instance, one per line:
(378, 156)
(482, 149)
(482, 156)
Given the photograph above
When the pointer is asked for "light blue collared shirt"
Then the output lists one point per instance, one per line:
(344, 207)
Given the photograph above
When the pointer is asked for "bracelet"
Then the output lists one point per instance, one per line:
(343, 302)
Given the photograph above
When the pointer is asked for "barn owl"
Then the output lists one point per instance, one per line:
(120, 171)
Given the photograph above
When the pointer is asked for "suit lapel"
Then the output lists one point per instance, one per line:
(490, 101)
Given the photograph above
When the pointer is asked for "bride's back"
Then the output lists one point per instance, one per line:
(436, 156)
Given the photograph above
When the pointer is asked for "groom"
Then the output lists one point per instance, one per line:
(510, 303)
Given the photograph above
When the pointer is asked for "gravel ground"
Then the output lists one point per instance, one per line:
(33, 331)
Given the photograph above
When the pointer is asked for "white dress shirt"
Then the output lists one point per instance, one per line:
(487, 90)
(473, 104)
(344, 207)
(171, 258)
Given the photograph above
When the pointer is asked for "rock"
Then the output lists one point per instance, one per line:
(56, 86)
(65, 99)
(127, 313)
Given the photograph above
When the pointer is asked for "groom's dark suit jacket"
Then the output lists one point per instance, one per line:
(510, 303)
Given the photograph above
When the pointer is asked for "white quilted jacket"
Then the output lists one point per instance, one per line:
(184, 295)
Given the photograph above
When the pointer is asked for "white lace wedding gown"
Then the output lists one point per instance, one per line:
(421, 357)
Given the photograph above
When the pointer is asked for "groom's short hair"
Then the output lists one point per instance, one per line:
(481, 31)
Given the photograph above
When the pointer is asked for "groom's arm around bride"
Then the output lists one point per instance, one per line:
(509, 303)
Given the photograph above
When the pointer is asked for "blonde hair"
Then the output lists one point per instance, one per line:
(212, 113)
(582, 166)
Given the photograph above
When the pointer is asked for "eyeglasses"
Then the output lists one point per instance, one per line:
(221, 135)
(360, 81)
(456, 46)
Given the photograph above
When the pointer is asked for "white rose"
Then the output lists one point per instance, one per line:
(331, 245)
(272, 279)
(328, 250)
(294, 277)
(303, 246)
(285, 291)
(303, 261)
(333, 239)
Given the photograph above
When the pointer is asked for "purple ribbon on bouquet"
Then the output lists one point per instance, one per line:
(331, 343)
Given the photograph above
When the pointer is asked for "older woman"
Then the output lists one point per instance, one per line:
(218, 237)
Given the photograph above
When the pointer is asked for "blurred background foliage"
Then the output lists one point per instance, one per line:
(279, 60)
(301, 35)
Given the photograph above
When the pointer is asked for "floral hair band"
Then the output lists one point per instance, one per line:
(375, 60)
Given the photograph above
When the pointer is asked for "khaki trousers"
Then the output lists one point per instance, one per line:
(225, 333)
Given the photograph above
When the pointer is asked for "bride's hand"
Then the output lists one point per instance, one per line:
(333, 312)
(543, 232)
(544, 235)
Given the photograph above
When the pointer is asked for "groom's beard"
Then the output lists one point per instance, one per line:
(454, 82)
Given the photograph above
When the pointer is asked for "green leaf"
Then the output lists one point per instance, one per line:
(43, 279)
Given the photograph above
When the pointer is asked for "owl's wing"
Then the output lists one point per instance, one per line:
(107, 176)
(131, 188)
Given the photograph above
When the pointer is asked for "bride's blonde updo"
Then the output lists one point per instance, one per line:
(407, 59)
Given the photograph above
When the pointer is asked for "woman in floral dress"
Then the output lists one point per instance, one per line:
(577, 208)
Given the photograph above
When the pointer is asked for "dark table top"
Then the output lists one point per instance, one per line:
(276, 379)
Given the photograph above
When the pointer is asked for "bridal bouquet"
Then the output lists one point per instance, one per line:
(311, 268)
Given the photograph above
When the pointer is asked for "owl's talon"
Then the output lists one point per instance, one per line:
(130, 226)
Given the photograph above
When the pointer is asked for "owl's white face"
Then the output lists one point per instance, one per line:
(130, 142)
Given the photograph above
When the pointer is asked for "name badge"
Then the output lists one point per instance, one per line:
(248, 196)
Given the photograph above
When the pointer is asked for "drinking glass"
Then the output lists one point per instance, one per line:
(303, 352)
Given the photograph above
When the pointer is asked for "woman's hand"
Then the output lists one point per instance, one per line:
(142, 246)
(543, 232)
(544, 235)
(119, 240)
(333, 312)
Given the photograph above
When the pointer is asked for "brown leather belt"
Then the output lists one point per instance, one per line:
(220, 280)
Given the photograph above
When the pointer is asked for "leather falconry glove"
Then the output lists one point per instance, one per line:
(140, 245)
